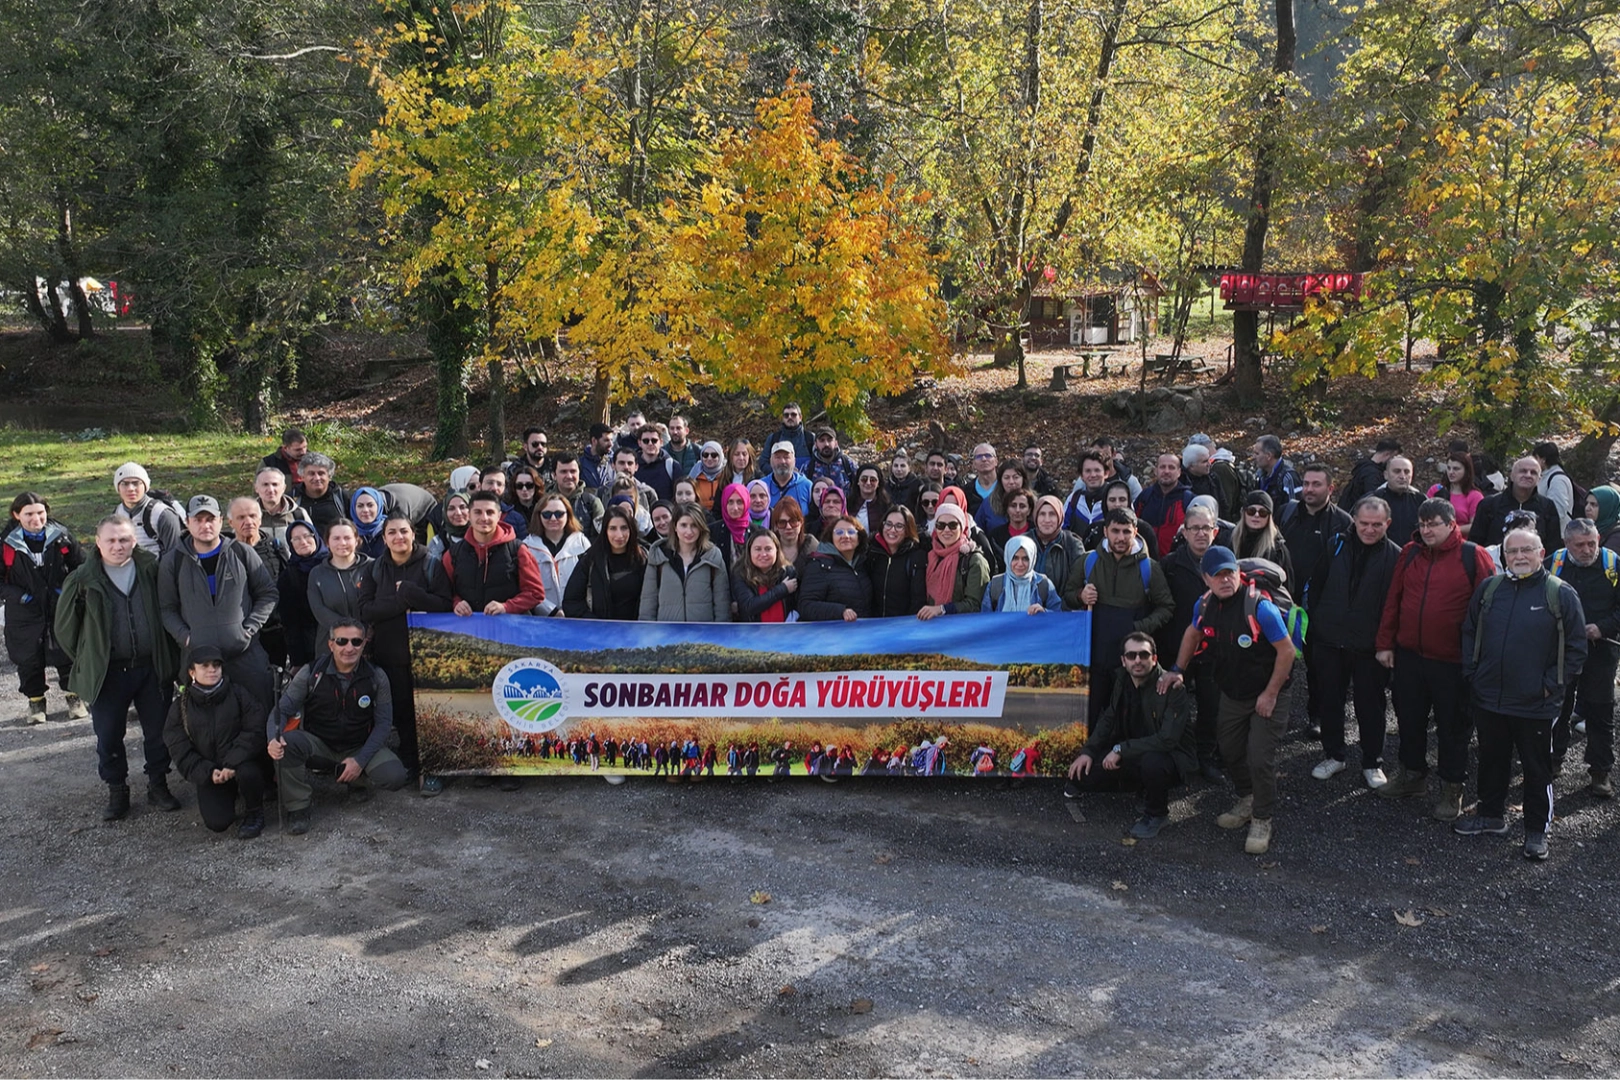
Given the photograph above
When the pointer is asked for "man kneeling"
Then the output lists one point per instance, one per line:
(336, 711)
(215, 734)
(1150, 744)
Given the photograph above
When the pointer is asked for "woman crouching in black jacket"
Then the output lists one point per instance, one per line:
(215, 734)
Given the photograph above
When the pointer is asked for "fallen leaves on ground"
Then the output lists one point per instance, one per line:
(1127, 841)
(542, 1043)
(861, 1005)
(1408, 918)
(759, 898)
(884, 857)
(785, 990)
(1120, 886)
(43, 1037)
(1319, 928)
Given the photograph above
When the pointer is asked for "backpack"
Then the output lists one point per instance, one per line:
(1146, 566)
(984, 760)
(159, 500)
(1019, 760)
(1610, 560)
(1470, 559)
(1577, 507)
(998, 585)
(1554, 605)
(1263, 580)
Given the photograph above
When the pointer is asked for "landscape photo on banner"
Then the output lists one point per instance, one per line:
(988, 695)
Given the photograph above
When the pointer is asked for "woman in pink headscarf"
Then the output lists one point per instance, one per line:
(731, 523)
(957, 573)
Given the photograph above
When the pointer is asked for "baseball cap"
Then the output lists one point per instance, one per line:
(204, 654)
(1218, 560)
(783, 447)
(202, 504)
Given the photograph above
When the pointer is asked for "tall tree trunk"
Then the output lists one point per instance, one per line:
(1246, 350)
(602, 394)
(451, 333)
(68, 252)
(495, 441)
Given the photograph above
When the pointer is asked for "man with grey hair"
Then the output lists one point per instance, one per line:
(1525, 631)
(1594, 573)
(1273, 473)
(1491, 519)
(319, 493)
(1345, 599)
(1225, 486)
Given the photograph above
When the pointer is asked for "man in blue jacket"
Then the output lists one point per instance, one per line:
(1523, 644)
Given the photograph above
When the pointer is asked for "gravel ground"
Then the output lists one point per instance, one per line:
(957, 928)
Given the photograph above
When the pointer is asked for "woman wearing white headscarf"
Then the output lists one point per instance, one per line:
(1021, 587)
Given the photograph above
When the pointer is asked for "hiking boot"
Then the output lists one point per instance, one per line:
(431, 786)
(1240, 814)
(1601, 787)
(36, 710)
(252, 825)
(1071, 790)
(1329, 768)
(1259, 841)
(1405, 785)
(1475, 825)
(1580, 727)
(1449, 807)
(159, 795)
(1535, 846)
(298, 821)
(1148, 826)
(77, 710)
(117, 803)
(1375, 777)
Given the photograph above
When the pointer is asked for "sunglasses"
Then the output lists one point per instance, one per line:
(845, 534)
(522, 485)
(710, 453)
(947, 526)
(345, 641)
(1257, 511)
(553, 515)
(648, 442)
(537, 446)
(1137, 654)
(930, 502)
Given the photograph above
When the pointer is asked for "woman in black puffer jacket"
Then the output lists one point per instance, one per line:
(897, 563)
(836, 585)
(216, 735)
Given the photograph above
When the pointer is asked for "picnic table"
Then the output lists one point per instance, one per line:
(1062, 373)
(1169, 365)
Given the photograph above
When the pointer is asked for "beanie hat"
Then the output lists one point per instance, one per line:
(130, 470)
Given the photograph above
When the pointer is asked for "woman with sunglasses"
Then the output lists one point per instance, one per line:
(707, 475)
(871, 501)
(836, 585)
(557, 544)
(927, 503)
(897, 563)
(390, 588)
(955, 496)
(1257, 536)
(686, 580)
(957, 574)
(606, 583)
(523, 496)
(764, 584)
(787, 522)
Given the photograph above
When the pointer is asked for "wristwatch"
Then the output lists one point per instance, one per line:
(1116, 749)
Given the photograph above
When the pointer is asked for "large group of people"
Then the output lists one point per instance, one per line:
(1211, 581)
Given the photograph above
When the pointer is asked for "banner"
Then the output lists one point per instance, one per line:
(983, 694)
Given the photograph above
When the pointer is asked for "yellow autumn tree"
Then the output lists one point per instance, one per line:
(795, 275)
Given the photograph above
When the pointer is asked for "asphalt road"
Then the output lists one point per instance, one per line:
(906, 928)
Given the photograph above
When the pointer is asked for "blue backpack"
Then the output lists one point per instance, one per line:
(1146, 566)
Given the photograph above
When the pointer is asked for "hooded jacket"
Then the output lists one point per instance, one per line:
(84, 623)
(1428, 596)
(556, 570)
(219, 728)
(389, 591)
(1159, 724)
(501, 570)
(231, 616)
(701, 594)
(30, 591)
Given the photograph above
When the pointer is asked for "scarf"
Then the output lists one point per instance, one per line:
(456, 532)
(1608, 500)
(761, 520)
(1018, 593)
(702, 470)
(737, 527)
(366, 532)
(952, 495)
(943, 558)
(306, 563)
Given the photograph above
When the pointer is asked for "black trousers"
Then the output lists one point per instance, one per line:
(1333, 673)
(403, 689)
(1207, 704)
(1421, 686)
(32, 647)
(1499, 737)
(1593, 696)
(217, 802)
(109, 719)
(1153, 774)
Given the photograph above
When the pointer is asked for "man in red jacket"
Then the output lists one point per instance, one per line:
(491, 572)
(1420, 637)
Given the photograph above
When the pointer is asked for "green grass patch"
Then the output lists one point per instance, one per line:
(73, 471)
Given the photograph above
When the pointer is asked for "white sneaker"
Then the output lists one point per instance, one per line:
(1580, 727)
(1375, 778)
(1329, 767)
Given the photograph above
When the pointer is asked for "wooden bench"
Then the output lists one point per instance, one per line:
(1061, 374)
(382, 368)
(1169, 365)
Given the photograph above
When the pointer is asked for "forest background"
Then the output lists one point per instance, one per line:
(820, 200)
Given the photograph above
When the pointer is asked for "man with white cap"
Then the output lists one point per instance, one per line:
(157, 526)
(785, 479)
(215, 590)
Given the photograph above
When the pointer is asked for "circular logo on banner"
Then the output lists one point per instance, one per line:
(528, 694)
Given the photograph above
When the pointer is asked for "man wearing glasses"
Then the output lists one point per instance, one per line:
(655, 468)
(534, 456)
(336, 711)
(1142, 740)
(1253, 659)
(793, 433)
(1420, 640)
(983, 484)
(1525, 632)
